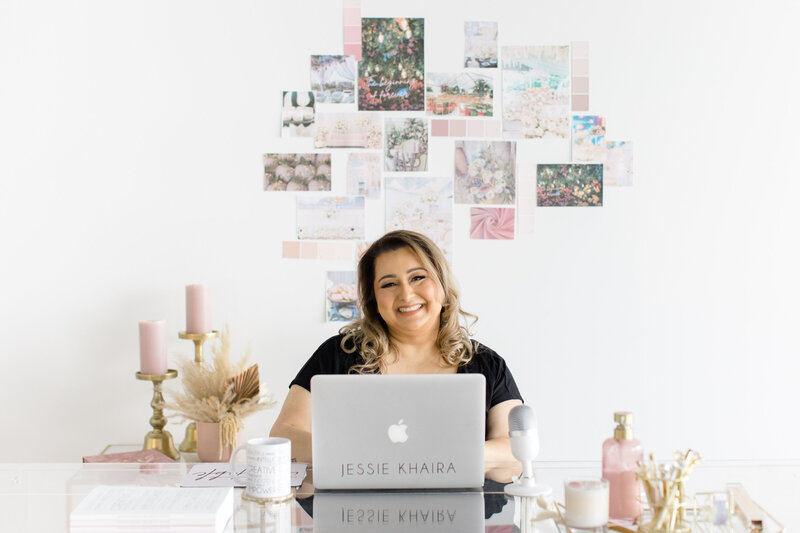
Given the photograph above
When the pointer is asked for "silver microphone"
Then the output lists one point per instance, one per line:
(523, 433)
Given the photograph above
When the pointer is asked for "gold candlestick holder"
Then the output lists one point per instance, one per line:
(158, 439)
(189, 443)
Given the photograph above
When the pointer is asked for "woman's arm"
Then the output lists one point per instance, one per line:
(498, 445)
(294, 423)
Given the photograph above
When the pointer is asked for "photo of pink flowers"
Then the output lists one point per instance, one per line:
(480, 44)
(421, 204)
(588, 138)
(536, 92)
(563, 185)
(364, 175)
(348, 130)
(333, 79)
(485, 172)
(297, 114)
(618, 168)
(391, 73)
(491, 223)
(330, 217)
(341, 296)
(406, 147)
(464, 94)
(297, 172)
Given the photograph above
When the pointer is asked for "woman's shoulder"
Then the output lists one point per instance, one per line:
(331, 353)
(482, 354)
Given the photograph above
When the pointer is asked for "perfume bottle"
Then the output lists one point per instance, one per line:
(620, 457)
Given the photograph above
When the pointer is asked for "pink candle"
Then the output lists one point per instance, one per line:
(198, 309)
(153, 346)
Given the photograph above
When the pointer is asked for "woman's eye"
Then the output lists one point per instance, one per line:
(417, 278)
(387, 285)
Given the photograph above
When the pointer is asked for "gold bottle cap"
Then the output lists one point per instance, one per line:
(623, 431)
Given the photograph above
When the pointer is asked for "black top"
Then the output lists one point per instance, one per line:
(330, 358)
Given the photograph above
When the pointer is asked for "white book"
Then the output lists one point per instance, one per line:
(137, 508)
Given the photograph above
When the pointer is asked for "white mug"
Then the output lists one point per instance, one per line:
(269, 462)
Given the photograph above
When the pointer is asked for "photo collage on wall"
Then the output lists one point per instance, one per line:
(378, 105)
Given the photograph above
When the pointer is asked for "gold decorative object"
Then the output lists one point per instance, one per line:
(158, 439)
(666, 495)
(189, 443)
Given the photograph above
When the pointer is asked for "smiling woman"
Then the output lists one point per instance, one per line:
(411, 323)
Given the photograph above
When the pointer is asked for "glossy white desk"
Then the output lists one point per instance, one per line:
(39, 497)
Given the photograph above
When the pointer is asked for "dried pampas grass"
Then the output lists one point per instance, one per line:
(219, 391)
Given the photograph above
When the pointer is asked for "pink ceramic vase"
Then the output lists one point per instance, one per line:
(208, 443)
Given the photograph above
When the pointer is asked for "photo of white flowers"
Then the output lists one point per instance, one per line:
(330, 217)
(333, 79)
(297, 172)
(297, 114)
(485, 172)
(536, 92)
(588, 138)
(349, 130)
(406, 147)
(341, 296)
(421, 204)
(480, 44)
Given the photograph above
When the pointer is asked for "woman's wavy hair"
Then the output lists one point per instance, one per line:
(369, 335)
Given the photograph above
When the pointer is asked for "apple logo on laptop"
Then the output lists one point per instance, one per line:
(397, 432)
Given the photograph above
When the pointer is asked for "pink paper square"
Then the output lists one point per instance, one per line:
(326, 250)
(580, 102)
(308, 250)
(580, 49)
(580, 85)
(352, 34)
(458, 128)
(353, 49)
(352, 3)
(494, 129)
(344, 251)
(291, 249)
(492, 223)
(475, 128)
(580, 67)
(439, 128)
(352, 17)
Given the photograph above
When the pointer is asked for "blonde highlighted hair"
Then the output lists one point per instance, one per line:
(369, 335)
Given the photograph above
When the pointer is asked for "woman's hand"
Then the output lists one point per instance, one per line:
(294, 423)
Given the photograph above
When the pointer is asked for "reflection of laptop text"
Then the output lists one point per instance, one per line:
(392, 511)
(409, 431)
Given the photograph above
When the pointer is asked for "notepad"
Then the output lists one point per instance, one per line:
(134, 508)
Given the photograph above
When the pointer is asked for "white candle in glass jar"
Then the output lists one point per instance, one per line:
(586, 502)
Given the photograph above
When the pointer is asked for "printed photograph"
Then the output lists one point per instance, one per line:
(333, 79)
(588, 138)
(406, 145)
(491, 223)
(297, 114)
(391, 73)
(464, 94)
(618, 168)
(536, 92)
(421, 204)
(485, 172)
(341, 296)
(567, 185)
(349, 130)
(364, 175)
(330, 217)
(480, 44)
(297, 172)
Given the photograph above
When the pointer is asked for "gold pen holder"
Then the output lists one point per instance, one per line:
(189, 443)
(158, 439)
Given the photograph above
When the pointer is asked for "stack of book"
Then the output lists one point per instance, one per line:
(138, 508)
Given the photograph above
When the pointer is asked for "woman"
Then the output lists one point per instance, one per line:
(410, 325)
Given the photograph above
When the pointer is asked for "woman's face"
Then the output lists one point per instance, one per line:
(408, 297)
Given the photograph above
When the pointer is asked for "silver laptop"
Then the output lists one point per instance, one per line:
(397, 432)
(397, 512)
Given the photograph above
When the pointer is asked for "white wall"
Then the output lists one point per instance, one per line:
(131, 134)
